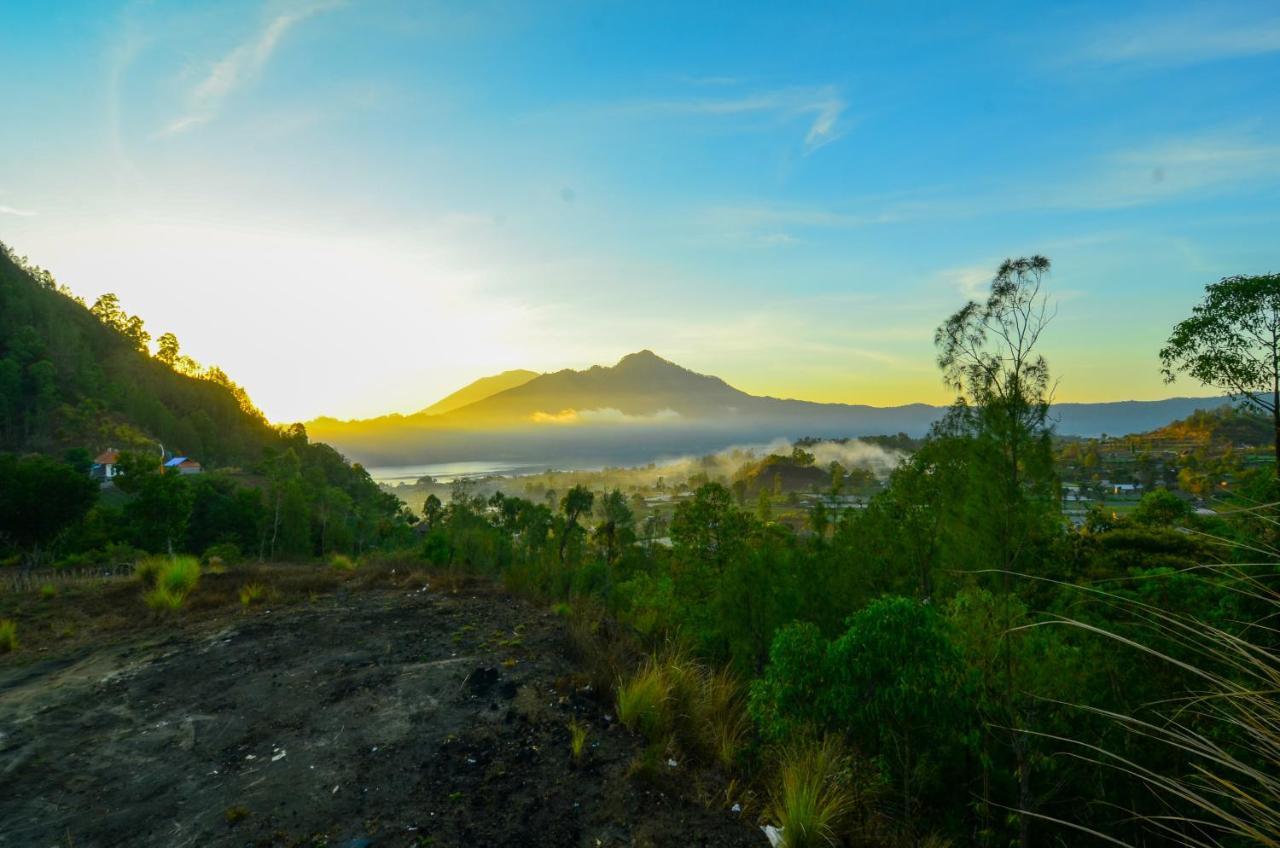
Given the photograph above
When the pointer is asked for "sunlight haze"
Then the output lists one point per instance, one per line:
(356, 208)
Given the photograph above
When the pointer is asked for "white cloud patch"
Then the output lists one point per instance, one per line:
(606, 415)
(13, 210)
(240, 66)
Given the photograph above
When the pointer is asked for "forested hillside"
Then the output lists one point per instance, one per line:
(71, 377)
(75, 380)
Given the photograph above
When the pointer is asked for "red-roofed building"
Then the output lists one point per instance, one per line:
(104, 467)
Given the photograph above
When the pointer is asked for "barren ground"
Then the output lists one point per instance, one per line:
(379, 717)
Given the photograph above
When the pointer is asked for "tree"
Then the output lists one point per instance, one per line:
(616, 528)
(576, 503)
(432, 511)
(39, 498)
(167, 349)
(1231, 342)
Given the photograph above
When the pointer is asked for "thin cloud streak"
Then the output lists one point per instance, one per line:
(21, 213)
(1182, 40)
(239, 67)
(823, 106)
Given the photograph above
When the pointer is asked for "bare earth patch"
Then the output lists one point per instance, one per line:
(383, 717)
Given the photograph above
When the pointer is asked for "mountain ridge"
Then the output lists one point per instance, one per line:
(645, 405)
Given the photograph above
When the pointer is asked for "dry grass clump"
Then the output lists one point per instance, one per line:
(811, 796)
(1227, 728)
(252, 594)
(672, 695)
(644, 701)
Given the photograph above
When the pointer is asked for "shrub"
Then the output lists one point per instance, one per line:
(147, 570)
(342, 562)
(48, 591)
(171, 580)
(811, 797)
(643, 701)
(8, 635)
(161, 599)
(74, 561)
(252, 593)
(227, 553)
(180, 575)
(577, 738)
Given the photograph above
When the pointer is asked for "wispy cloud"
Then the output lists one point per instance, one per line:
(1171, 168)
(1182, 39)
(13, 210)
(240, 66)
(823, 107)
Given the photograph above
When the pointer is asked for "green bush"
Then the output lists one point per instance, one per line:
(8, 635)
(227, 553)
(48, 591)
(161, 599)
(342, 562)
(180, 575)
(147, 570)
(171, 580)
(74, 561)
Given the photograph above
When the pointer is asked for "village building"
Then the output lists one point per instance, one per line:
(184, 465)
(104, 466)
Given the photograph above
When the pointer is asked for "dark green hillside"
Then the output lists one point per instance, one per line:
(70, 379)
(75, 380)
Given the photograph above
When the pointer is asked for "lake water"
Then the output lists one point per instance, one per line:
(447, 472)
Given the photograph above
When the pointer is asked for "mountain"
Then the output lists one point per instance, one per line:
(479, 390)
(644, 407)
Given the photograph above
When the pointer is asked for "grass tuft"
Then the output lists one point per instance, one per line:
(342, 562)
(8, 636)
(644, 701)
(172, 580)
(810, 798)
(180, 575)
(252, 593)
(578, 733)
(161, 599)
(48, 591)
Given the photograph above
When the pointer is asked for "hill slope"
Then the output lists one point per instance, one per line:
(67, 379)
(479, 390)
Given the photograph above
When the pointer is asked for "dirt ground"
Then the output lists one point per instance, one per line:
(380, 717)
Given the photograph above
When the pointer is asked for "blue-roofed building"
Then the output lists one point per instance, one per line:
(184, 465)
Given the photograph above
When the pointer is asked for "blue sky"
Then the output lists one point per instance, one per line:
(356, 207)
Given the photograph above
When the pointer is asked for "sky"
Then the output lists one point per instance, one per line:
(356, 207)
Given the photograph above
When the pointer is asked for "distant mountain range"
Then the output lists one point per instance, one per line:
(645, 407)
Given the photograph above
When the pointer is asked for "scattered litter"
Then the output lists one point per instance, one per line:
(335, 790)
(250, 757)
(736, 808)
(672, 764)
(774, 835)
(278, 755)
(373, 750)
(471, 761)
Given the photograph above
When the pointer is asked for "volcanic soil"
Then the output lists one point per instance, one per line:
(389, 717)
